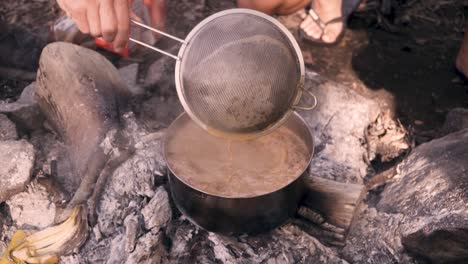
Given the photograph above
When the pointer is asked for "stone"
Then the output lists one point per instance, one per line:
(337, 124)
(25, 111)
(157, 213)
(32, 208)
(16, 164)
(456, 120)
(7, 129)
(423, 210)
(374, 238)
(431, 190)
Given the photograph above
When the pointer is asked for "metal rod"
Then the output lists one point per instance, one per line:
(155, 49)
(158, 31)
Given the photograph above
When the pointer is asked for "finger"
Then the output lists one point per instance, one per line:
(81, 20)
(94, 21)
(108, 20)
(122, 12)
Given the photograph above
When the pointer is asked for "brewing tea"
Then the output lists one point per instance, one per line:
(236, 169)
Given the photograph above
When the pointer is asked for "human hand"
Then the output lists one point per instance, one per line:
(107, 18)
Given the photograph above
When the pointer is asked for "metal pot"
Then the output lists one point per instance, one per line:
(240, 215)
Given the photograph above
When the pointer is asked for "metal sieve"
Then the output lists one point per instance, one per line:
(239, 73)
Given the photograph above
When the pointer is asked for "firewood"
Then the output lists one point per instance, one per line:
(81, 94)
(329, 208)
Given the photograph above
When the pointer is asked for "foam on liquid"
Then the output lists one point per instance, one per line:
(231, 168)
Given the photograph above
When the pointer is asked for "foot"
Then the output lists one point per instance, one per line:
(462, 58)
(326, 10)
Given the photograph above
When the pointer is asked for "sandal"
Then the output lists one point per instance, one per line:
(346, 10)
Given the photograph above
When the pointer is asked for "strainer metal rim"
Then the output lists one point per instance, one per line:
(181, 91)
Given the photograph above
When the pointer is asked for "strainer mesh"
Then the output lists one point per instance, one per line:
(239, 73)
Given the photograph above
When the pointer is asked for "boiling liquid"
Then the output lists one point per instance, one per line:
(232, 168)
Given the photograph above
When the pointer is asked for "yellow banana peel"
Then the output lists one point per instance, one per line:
(45, 246)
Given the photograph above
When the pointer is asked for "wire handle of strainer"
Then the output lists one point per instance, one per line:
(159, 32)
(311, 107)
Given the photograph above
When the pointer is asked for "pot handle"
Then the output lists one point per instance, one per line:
(310, 94)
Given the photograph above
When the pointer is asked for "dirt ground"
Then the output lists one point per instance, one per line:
(405, 61)
(400, 55)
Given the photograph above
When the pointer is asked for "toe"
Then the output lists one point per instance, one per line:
(303, 14)
(313, 30)
(306, 22)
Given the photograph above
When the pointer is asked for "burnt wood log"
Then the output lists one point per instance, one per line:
(81, 94)
(329, 208)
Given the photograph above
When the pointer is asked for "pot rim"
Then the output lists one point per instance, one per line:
(306, 167)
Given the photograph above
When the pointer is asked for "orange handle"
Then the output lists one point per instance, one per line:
(109, 47)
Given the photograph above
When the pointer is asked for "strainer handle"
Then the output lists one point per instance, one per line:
(309, 93)
(154, 48)
(159, 32)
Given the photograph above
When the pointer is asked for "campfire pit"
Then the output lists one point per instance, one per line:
(85, 110)
(422, 206)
